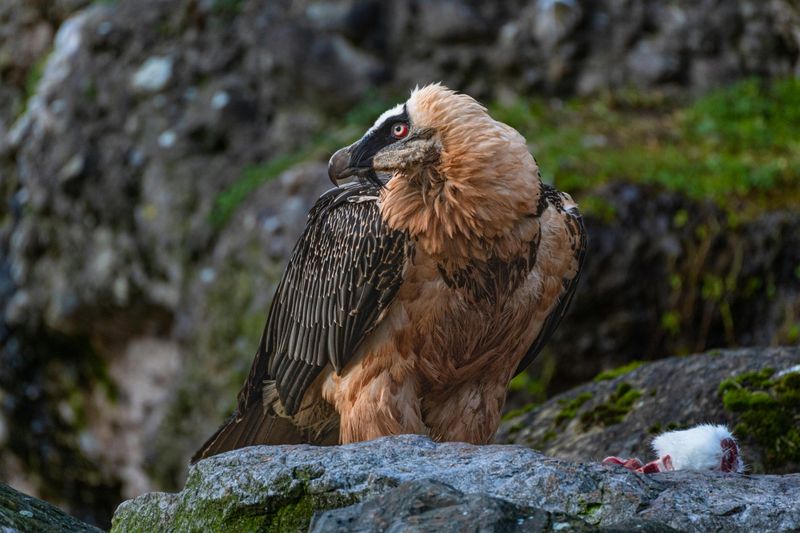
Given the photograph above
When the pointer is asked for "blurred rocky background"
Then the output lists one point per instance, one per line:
(158, 158)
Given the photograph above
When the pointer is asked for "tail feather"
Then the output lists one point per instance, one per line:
(252, 428)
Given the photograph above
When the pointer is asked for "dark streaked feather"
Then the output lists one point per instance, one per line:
(344, 271)
(247, 428)
(578, 234)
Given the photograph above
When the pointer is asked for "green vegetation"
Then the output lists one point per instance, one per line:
(768, 410)
(514, 413)
(294, 516)
(289, 507)
(614, 410)
(619, 371)
(570, 407)
(738, 146)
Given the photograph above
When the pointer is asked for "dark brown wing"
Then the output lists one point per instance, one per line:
(577, 233)
(343, 273)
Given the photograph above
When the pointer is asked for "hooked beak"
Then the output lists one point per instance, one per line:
(341, 166)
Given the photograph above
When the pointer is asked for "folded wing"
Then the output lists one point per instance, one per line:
(343, 273)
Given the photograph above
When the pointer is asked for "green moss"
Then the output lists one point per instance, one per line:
(619, 371)
(514, 413)
(224, 514)
(293, 517)
(658, 428)
(590, 510)
(289, 507)
(533, 387)
(768, 410)
(614, 410)
(252, 177)
(793, 334)
(737, 146)
(570, 407)
(548, 436)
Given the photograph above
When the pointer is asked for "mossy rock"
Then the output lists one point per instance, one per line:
(767, 405)
(20, 512)
(754, 391)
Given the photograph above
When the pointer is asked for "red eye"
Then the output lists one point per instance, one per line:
(399, 130)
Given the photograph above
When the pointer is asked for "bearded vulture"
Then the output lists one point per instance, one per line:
(433, 273)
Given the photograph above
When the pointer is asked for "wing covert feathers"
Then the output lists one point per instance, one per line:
(569, 217)
(343, 273)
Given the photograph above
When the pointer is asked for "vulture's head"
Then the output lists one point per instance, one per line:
(451, 175)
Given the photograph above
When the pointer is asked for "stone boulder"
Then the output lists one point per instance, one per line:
(281, 488)
(20, 513)
(428, 505)
(753, 391)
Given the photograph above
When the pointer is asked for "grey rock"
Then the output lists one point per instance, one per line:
(280, 487)
(652, 61)
(20, 513)
(678, 392)
(555, 20)
(153, 75)
(450, 20)
(433, 506)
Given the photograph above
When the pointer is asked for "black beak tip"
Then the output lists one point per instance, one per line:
(338, 164)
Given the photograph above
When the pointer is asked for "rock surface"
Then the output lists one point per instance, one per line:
(281, 487)
(22, 513)
(434, 506)
(621, 415)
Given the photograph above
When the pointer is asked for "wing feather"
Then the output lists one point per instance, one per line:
(343, 273)
(578, 242)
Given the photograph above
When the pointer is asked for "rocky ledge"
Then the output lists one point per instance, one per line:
(411, 482)
(754, 391)
(20, 513)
